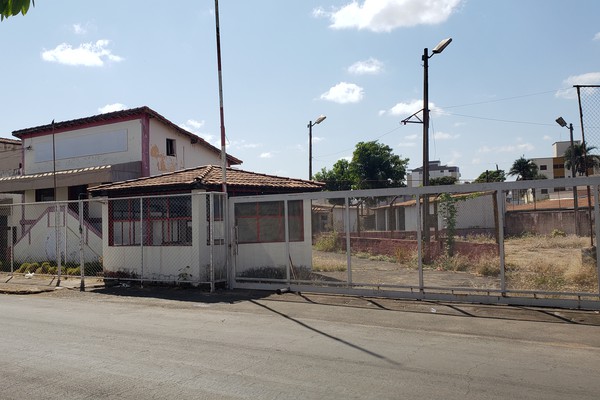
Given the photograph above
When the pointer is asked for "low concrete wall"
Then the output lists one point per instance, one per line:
(544, 222)
(394, 247)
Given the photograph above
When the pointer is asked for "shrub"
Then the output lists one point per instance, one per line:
(24, 268)
(328, 242)
(557, 233)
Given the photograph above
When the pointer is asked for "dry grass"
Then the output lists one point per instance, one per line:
(321, 264)
(551, 263)
(542, 263)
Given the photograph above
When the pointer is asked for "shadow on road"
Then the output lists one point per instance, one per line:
(196, 295)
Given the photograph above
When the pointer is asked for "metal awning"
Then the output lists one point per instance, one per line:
(71, 177)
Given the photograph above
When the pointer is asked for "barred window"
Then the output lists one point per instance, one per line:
(166, 221)
(263, 222)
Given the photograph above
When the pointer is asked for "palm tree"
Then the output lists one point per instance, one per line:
(524, 169)
(578, 154)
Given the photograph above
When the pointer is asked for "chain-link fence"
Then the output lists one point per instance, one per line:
(52, 238)
(169, 239)
(589, 113)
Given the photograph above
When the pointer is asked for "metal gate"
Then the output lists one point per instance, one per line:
(509, 243)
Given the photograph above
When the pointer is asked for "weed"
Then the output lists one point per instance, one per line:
(328, 242)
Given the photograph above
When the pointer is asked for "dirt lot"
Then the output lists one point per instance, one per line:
(377, 272)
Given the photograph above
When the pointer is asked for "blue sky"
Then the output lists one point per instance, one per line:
(495, 91)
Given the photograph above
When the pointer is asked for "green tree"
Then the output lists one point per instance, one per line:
(578, 153)
(375, 166)
(9, 8)
(338, 178)
(443, 180)
(524, 169)
(491, 176)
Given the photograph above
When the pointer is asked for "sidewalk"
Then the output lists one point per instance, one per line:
(19, 284)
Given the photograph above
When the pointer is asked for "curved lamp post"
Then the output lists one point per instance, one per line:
(319, 119)
(563, 123)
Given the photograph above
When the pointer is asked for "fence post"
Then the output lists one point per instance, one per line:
(286, 235)
(419, 243)
(500, 230)
(12, 248)
(211, 239)
(597, 232)
(81, 253)
(348, 242)
(142, 237)
(57, 240)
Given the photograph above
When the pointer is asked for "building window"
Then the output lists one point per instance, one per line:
(166, 221)
(543, 167)
(264, 222)
(544, 191)
(171, 147)
(42, 195)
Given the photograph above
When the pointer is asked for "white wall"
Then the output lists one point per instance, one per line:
(187, 155)
(38, 244)
(89, 147)
(471, 213)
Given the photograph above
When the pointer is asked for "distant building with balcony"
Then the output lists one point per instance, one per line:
(436, 170)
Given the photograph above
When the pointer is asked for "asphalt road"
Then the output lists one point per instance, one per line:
(128, 343)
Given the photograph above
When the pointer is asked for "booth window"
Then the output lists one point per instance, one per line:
(166, 221)
(263, 222)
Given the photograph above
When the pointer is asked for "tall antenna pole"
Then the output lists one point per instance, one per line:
(221, 114)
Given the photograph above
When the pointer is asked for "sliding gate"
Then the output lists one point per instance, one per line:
(527, 242)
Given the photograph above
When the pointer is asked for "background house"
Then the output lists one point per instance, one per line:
(59, 161)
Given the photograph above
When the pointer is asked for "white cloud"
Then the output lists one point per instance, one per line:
(87, 54)
(546, 137)
(407, 144)
(79, 30)
(597, 36)
(267, 154)
(192, 125)
(591, 78)
(343, 93)
(414, 106)
(387, 15)
(411, 137)
(444, 136)
(370, 66)
(316, 139)
(519, 147)
(112, 108)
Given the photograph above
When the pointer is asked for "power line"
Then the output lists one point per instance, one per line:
(505, 98)
(502, 120)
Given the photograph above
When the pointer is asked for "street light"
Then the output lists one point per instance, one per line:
(437, 50)
(319, 119)
(563, 123)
